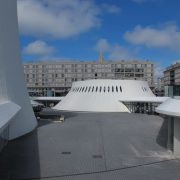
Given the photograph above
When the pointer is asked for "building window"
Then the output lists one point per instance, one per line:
(86, 89)
(83, 89)
(96, 88)
(92, 88)
(89, 88)
(116, 89)
(100, 89)
(120, 88)
(108, 88)
(112, 89)
(104, 89)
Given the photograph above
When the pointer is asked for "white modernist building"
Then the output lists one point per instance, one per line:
(16, 114)
(104, 95)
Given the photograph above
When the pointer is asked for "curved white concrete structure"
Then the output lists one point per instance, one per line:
(103, 95)
(171, 111)
(12, 83)
(170, 107)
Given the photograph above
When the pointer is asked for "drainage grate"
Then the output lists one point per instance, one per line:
(66, 153)
(97, 156)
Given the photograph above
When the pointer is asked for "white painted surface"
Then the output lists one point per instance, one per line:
(170, 107)
(13, 87)
(93, 101)
(7, 111)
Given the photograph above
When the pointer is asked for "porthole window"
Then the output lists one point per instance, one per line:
(104, 89)
(100, 89)
(116, 89)
(89, 88)
(96, 88)
(112, 89)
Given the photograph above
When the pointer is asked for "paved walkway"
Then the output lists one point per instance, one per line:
(92, 146)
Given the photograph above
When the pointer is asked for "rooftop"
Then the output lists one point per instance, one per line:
(92, 146)
(172, 66)
(133, 61)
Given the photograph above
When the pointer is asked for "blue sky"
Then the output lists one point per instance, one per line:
(79, 29)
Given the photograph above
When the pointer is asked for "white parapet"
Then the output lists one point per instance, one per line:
(12, 82)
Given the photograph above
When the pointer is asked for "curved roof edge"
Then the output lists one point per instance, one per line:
(170, 107)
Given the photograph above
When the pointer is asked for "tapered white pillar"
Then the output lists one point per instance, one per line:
(170, 108)
(177, 137)
(12, 83)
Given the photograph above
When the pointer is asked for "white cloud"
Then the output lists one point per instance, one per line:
(158, 71)
(60, 18)
(167, 36)
(118, 52)
(115, 51)
(57, 18)
(111, 8)
(102, 45)
(39, 48)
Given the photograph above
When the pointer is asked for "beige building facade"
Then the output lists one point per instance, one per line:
(56, 78)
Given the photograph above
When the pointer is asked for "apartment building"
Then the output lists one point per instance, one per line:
(172, 80)
(56, 78)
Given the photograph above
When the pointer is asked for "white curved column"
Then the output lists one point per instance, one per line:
(12, 83)
(171, 109)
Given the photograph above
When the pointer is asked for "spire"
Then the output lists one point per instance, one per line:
(101, 58)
